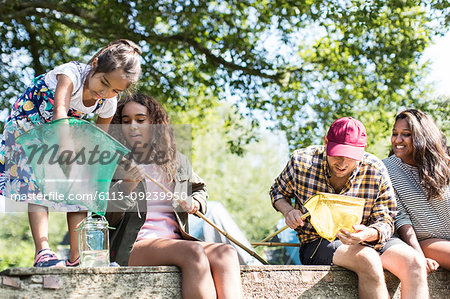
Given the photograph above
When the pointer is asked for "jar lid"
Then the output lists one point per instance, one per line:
(97, 222)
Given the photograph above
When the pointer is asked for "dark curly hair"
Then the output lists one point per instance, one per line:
(430, 152)
(162, 135)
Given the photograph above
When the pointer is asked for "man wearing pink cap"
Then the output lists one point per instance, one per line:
(343, 167)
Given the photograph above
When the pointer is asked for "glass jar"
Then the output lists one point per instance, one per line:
(94, 242)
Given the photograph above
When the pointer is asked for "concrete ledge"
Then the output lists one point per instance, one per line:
(164, 282)
(323, 282)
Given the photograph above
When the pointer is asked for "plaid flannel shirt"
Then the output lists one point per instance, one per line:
(306, 174)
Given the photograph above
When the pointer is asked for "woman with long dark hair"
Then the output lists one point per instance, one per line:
(419, 167)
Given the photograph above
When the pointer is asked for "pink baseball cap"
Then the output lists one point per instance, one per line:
(347, 137)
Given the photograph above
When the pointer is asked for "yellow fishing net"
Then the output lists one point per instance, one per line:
(332, 212)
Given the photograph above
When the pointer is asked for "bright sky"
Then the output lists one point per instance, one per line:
(439, 56)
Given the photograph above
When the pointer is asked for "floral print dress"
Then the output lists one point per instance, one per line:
(33, 108)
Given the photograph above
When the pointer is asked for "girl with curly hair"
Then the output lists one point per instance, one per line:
(160, 236)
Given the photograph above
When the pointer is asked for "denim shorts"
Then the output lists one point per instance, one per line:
(321, 251)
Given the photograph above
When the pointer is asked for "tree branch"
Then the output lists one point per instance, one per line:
(13, 8)
(218, 60)
(34, 48)
(19, 10)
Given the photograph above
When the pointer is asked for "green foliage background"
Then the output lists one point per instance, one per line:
(16, 242)
(290, 66)
(241, 183)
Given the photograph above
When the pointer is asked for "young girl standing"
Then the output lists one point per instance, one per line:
(70, 90)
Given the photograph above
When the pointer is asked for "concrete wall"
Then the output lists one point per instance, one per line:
(164, 282)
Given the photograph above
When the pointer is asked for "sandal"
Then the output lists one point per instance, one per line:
(75, 263)
(47, 258)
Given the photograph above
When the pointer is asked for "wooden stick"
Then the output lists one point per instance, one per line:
(199, 214)
(279, 231)
(275, 244)
(274, 234)
(305, 215)
(249, 251)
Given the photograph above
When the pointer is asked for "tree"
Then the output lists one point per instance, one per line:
(439, 108)
(241, 183)
(301, 63)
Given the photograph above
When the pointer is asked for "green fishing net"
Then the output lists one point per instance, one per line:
(73, 161)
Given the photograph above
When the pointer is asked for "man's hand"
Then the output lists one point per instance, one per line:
(362, 233)
(294, 218)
